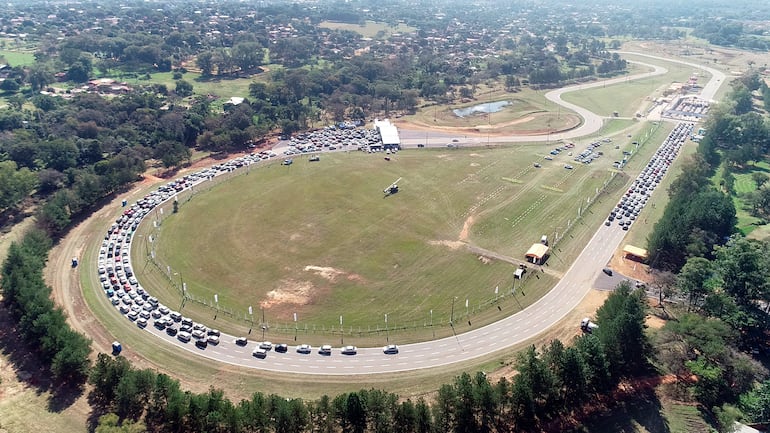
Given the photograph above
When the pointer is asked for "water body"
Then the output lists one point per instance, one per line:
(489, 107)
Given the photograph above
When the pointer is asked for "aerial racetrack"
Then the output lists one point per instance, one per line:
(467, 214)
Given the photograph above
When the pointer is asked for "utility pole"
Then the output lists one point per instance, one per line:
(387, 335)
(251, 314)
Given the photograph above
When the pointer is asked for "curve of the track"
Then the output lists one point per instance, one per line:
(517, 328)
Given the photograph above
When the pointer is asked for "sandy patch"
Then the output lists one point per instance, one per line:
(295, 236)
(291, 292)
(474, 154)
(654, 322)
(327, 273)
(466, 228)
(331, 274)
(485, 260)
(452, 245)
(475, 164)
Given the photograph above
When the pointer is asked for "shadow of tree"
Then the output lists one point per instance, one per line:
(29, 370)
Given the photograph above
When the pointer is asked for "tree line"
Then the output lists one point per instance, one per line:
(40, 324)
(551, 383)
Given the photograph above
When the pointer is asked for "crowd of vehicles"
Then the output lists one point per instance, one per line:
(632, 202)
(125, 292)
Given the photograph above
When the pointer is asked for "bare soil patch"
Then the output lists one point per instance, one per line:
(452, 245)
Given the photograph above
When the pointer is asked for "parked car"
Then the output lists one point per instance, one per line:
(241, 341)
(349, 350)
(259, 353)
(281, 348)
(304, 349)
(326, 350)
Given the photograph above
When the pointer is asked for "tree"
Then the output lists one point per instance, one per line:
(621, 331)
(693, 280)
(183, 88)
(15, 184)
(759, 179)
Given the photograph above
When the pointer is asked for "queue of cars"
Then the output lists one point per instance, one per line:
(128, 296)
(632, 202)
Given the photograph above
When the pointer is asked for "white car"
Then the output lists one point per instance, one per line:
(259, 353)
(349, 350)
(266, 345)
(326, 349)
(304, 348)
(390, 349)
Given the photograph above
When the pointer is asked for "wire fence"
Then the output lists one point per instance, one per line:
(395, 324)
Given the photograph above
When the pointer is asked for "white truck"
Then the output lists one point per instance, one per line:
(587, 326)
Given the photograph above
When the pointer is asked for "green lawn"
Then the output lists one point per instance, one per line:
(18, 58)
(261, 239)
(224, 88)
(748, 224)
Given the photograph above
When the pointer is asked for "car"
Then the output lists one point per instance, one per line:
(214, 332)
(141, 322)
(201, 344)
(608, 271)
(213, 339)
(198, 334)
(537, 165)
(266, 345)
(186, 328)
(241, 341)
(171, 331)
(281, 348)
(304, 349)
(349, 350)
(568, 167)
(132, 315)
(325, 350)
(608, 223)
(183, 336)
(390, 349)
(259, 353)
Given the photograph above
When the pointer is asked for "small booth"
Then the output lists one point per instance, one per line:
(537, 254)
(635, 253)
(116, 348)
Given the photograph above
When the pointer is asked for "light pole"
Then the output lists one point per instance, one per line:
(216, 303)
(431, 323)
(264, 327)
(295, 326)
(342, 333)
(251, 314)
(387, 335)
(452, 313)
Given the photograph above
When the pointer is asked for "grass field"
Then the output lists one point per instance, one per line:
(224, 88)
(319, 239)
(369, 30)
(18, 58)
(748, 224)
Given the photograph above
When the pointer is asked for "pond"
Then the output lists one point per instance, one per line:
(489, 107)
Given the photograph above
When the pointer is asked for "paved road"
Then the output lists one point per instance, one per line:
(592, 122)
(519, 327)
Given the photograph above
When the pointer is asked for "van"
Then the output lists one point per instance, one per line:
(544, 240)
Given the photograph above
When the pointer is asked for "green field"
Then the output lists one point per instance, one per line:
(369, 30)
(321, 240)
(18, 58)
(224, 88)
